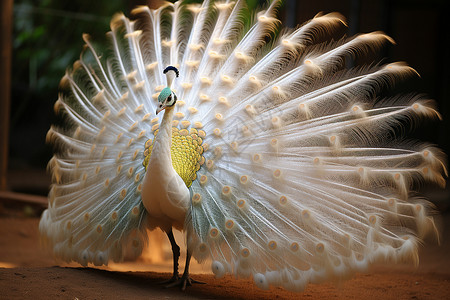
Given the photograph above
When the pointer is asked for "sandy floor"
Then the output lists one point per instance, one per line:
(28, 272)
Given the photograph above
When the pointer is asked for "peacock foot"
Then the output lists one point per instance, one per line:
(183, 282)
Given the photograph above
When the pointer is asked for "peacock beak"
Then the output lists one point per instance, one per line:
(160, 108)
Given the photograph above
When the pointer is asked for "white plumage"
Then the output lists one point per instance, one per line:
(277, 160)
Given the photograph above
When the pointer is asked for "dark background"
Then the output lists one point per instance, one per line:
(47, 39)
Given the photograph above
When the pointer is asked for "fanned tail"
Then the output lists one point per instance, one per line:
(306, 178)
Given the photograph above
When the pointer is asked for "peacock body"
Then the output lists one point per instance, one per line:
(277, 160)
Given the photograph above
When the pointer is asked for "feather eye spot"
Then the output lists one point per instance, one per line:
(142, 133)
(243, 179)
(277, 174)
(241, 203)
(99, 229)
(373, 220)
(245, 130)
(203, 179)
(274, 143)
(106, 115)
(146, 117)
(119, 156)
(179, 115)
(106, 183)
(276, 122)
(306, 214)
(227, 79)
(198, 125)
(137, 177)
(418, 208)
(186, 86)
(272, 245)
(185, 124)
(425, 170)
(151, 66)
(209, 164)
(154, 120)
(229, 224)
(218, 151)
(139, 108)
(245, 252)
(123, 194)
(196, 198)
(104, 150)
(192, 110)
(283, 200)
(397, 176)
(135, 154)
(139, 189)
(122, 111)
(391, 202)
(135, 211)
(217, 132)
(119, 169)
(426, 153)
(68, 224)
(223, 100)
(148, 143)
(204, 97)
(205, 80)
(86, 217)
(195, 47)
(97, 170)
(214, 233)
(219, 117)
(159, 88)
(234, 145)
(294, 247)
(202, 134)
(250, 109)
(320, 248)
(119, 136)
(202, 247)
(226, 190)
(130, 142)
(257, 158)
(114, 216)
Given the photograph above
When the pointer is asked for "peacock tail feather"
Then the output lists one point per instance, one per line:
(298, 167)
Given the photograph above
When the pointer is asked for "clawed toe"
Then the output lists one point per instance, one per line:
(171, 280)
(183, 282)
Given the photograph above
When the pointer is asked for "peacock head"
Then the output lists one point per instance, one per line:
(167, 97)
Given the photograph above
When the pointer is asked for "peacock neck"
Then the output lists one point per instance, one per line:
(164, 194)
(163, 140)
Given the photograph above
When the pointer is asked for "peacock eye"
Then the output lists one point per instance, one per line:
(169, 98)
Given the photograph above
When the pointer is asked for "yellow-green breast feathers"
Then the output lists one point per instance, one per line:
(186, 152)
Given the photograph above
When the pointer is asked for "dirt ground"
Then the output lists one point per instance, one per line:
(29, 272)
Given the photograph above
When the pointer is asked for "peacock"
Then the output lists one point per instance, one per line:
(278, 152)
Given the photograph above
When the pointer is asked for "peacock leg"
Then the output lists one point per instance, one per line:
(185, 280)
(176, 256)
